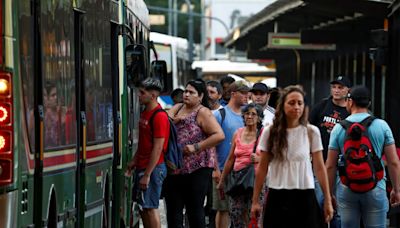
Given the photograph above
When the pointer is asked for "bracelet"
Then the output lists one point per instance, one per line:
(196, 147)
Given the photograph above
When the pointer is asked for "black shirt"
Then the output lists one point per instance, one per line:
(325, 115)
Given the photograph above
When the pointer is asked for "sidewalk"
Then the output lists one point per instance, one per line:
(163, 216)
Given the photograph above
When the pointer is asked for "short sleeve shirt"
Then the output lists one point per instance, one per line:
(160, 129)
(325, 115)
(295, 171)
(232, 122)
(379, 133)
(269, 115)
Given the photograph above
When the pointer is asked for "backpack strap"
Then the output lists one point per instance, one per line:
(259, 131)
(345, 124)
(222, 111)
(367, 121)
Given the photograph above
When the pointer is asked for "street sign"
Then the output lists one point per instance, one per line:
(293, 41)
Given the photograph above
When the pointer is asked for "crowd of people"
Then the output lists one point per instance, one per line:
(225, 127)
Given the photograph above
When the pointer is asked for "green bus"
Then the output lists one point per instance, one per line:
(68, 112)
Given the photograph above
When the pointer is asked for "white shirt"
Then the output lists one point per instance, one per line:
(295, 171)
(269, 115)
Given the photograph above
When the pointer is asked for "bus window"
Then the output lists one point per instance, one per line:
(54, 116)
(98, 95)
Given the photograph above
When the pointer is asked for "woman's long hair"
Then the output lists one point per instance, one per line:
(277, 141)
(201, 88)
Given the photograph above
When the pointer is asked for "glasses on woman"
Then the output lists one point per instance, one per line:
(250, 114)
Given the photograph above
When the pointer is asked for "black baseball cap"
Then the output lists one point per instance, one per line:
(259, 86)
(342, 80)
(359, 93)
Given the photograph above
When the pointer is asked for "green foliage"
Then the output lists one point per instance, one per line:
(182, 19)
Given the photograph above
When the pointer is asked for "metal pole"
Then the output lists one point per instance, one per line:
(162, 9)
(190, 30)
(175, 10)
(203, 32)
(170, 18)
(38, 115)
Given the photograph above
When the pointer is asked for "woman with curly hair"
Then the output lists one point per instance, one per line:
(285, 147)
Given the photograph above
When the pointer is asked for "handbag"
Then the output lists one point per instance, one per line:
(241, 182)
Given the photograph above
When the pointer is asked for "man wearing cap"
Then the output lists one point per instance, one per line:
(260, 96)
(148, 162)
(325, 115)
(331, 110)
(230, 121)
(373, 205)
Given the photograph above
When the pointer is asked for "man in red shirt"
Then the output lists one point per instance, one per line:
(148, 162)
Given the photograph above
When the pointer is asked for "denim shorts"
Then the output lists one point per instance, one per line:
(150, 197)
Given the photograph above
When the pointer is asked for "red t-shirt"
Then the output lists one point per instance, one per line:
(160, 130)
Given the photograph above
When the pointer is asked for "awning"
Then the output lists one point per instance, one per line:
(318, 21)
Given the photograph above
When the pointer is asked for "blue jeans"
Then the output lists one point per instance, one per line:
(335, 222)
(150, 197)
(371, 206)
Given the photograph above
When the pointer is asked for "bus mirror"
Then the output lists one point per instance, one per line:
(135, 60)
(159, 71)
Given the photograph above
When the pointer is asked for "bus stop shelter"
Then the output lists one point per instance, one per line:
(313, 41)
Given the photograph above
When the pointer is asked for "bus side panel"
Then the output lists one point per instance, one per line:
(95, 182)
(62, 185)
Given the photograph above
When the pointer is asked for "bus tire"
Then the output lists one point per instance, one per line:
(52, 212)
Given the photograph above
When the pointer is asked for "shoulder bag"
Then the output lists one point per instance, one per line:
(241, 182)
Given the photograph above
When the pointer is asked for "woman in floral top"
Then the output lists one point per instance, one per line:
(198, 132)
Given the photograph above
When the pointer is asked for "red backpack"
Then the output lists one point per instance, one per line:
(359, 167)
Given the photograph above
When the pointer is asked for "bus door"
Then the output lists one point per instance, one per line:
(117, 128)
(96, 112)
(81, 120)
